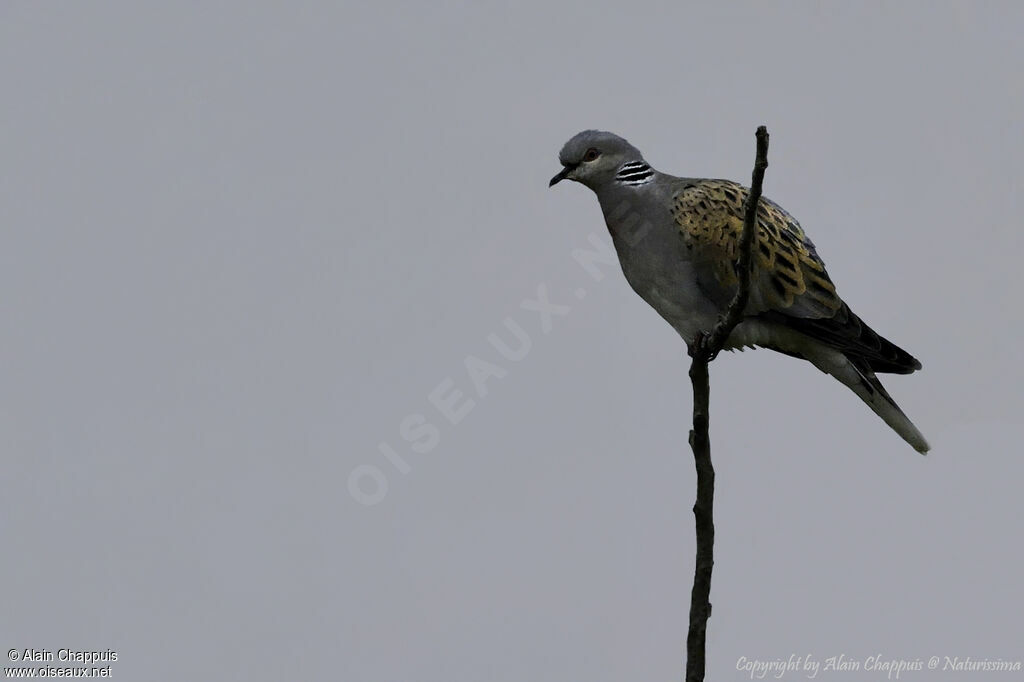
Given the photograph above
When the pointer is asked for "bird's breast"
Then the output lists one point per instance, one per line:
(662, 276)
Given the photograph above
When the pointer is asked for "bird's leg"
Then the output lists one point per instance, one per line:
(700, 345)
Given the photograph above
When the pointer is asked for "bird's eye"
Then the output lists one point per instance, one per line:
(591, 154)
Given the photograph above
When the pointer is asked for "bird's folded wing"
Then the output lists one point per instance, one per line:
(789, 284)
(788, 275)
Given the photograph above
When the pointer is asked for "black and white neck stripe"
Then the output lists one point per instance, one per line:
(634, 173)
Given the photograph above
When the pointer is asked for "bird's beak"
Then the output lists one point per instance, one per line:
(562, 175)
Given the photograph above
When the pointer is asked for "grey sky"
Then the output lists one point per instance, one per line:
(244, 243)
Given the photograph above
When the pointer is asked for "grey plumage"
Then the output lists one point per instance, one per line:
(676, 239)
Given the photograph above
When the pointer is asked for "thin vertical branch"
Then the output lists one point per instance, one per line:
(703, 350)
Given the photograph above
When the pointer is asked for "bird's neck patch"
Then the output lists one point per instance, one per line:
(634, 173)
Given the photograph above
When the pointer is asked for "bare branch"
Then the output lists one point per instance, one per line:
(703, 350)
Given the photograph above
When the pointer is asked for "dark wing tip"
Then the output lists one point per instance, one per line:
(846, 332)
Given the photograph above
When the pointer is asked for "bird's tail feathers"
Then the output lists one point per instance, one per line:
(862, 381)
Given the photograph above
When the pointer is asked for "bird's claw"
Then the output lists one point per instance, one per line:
(700, 345)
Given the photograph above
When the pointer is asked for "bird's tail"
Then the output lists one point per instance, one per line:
(862, 381)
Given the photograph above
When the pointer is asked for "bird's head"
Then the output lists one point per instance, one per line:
(594, 157)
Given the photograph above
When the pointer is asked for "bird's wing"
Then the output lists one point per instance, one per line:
(789, 284)
(788, 275)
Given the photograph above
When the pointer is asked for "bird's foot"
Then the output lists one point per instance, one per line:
(701, 346)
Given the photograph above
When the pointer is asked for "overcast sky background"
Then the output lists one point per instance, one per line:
(243, 242)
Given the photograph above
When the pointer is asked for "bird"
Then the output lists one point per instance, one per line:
(677, 241)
